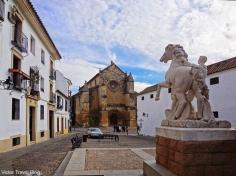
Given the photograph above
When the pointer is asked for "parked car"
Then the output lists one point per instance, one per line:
(95, 132)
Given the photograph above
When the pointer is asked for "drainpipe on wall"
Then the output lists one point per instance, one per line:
(26, 120)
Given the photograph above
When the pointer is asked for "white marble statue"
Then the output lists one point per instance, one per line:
(186, 81)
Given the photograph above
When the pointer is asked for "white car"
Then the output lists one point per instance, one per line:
(95, 132)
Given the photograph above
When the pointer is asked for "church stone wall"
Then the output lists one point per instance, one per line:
(110, 95)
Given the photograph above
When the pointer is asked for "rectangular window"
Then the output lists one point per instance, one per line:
(169, 90)
(57, 124)
(65, 105)
(216, 114)
(42, 56)
(42, 84)
(41, 112)
(151, 96)
(42, 133)
(2, 10)
(142, 98)
(15, 141)
(214, 81)
(32, 45)
(15, 109)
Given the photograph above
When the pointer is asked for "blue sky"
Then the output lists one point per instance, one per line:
(91, 33)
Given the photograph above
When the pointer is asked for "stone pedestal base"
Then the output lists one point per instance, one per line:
(197, 151)
(150, 168)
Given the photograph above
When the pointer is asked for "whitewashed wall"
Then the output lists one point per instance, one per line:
(61, 83)
(9, 127)
(154, 109)
(62, 86)
(223, 95)
(222, 99)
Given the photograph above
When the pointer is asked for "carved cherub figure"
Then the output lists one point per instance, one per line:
(201, 81)
(203, 105)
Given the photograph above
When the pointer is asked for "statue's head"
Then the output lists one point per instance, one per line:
(173, 52)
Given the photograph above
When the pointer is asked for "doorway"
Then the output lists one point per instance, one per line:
(51, 124)
(62, 125)
(113, 119)
(32, 130)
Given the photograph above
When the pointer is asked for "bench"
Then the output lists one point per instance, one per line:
(76, 141)
(111, 136)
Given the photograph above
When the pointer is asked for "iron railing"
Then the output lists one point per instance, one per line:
(18, 79)
(20, 41)
(52, 97)
(52, 74)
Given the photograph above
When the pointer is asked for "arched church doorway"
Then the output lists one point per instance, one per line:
(113, 119)
(117, 118)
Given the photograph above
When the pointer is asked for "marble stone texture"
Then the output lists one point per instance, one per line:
(197, 134)
(196, 124)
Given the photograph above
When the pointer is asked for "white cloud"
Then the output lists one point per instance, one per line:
(139, 86)
(78, 70)
(203, 27)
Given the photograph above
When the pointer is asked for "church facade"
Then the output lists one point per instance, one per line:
(107, 99)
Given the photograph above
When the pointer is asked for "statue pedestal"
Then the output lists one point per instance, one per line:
(194, 152)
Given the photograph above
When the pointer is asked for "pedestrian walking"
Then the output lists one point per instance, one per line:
(138, 129)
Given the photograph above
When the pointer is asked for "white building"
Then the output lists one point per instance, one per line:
(221, 81)
(150, 113)
(27, 56)
(62, 113)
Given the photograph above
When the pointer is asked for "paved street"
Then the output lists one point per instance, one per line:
(44, 157)
(47, 156)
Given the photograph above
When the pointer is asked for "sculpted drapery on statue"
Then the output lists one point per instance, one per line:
(186, 81)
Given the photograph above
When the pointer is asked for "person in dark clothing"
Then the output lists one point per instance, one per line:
(126, 129)
(123, 129)
(138, 129)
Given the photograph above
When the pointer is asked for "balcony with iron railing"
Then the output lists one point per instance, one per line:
(34, 83)
(18, 79)
(52, 97)
(52, 74)
(20, 41)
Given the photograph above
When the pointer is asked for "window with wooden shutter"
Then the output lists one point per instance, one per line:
(15, 109)
(32, 45)
(66, 105)
(42, 56)
(2, 10)
(42, 84)
(41, 112)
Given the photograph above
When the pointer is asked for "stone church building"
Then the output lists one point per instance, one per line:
(107, 99)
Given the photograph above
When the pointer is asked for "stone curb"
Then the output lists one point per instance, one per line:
(60, 170)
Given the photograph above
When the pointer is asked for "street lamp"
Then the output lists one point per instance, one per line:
(7, 84)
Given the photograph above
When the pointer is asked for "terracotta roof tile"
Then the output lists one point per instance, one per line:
(149, 89)
(213, 68)
(221, 66)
